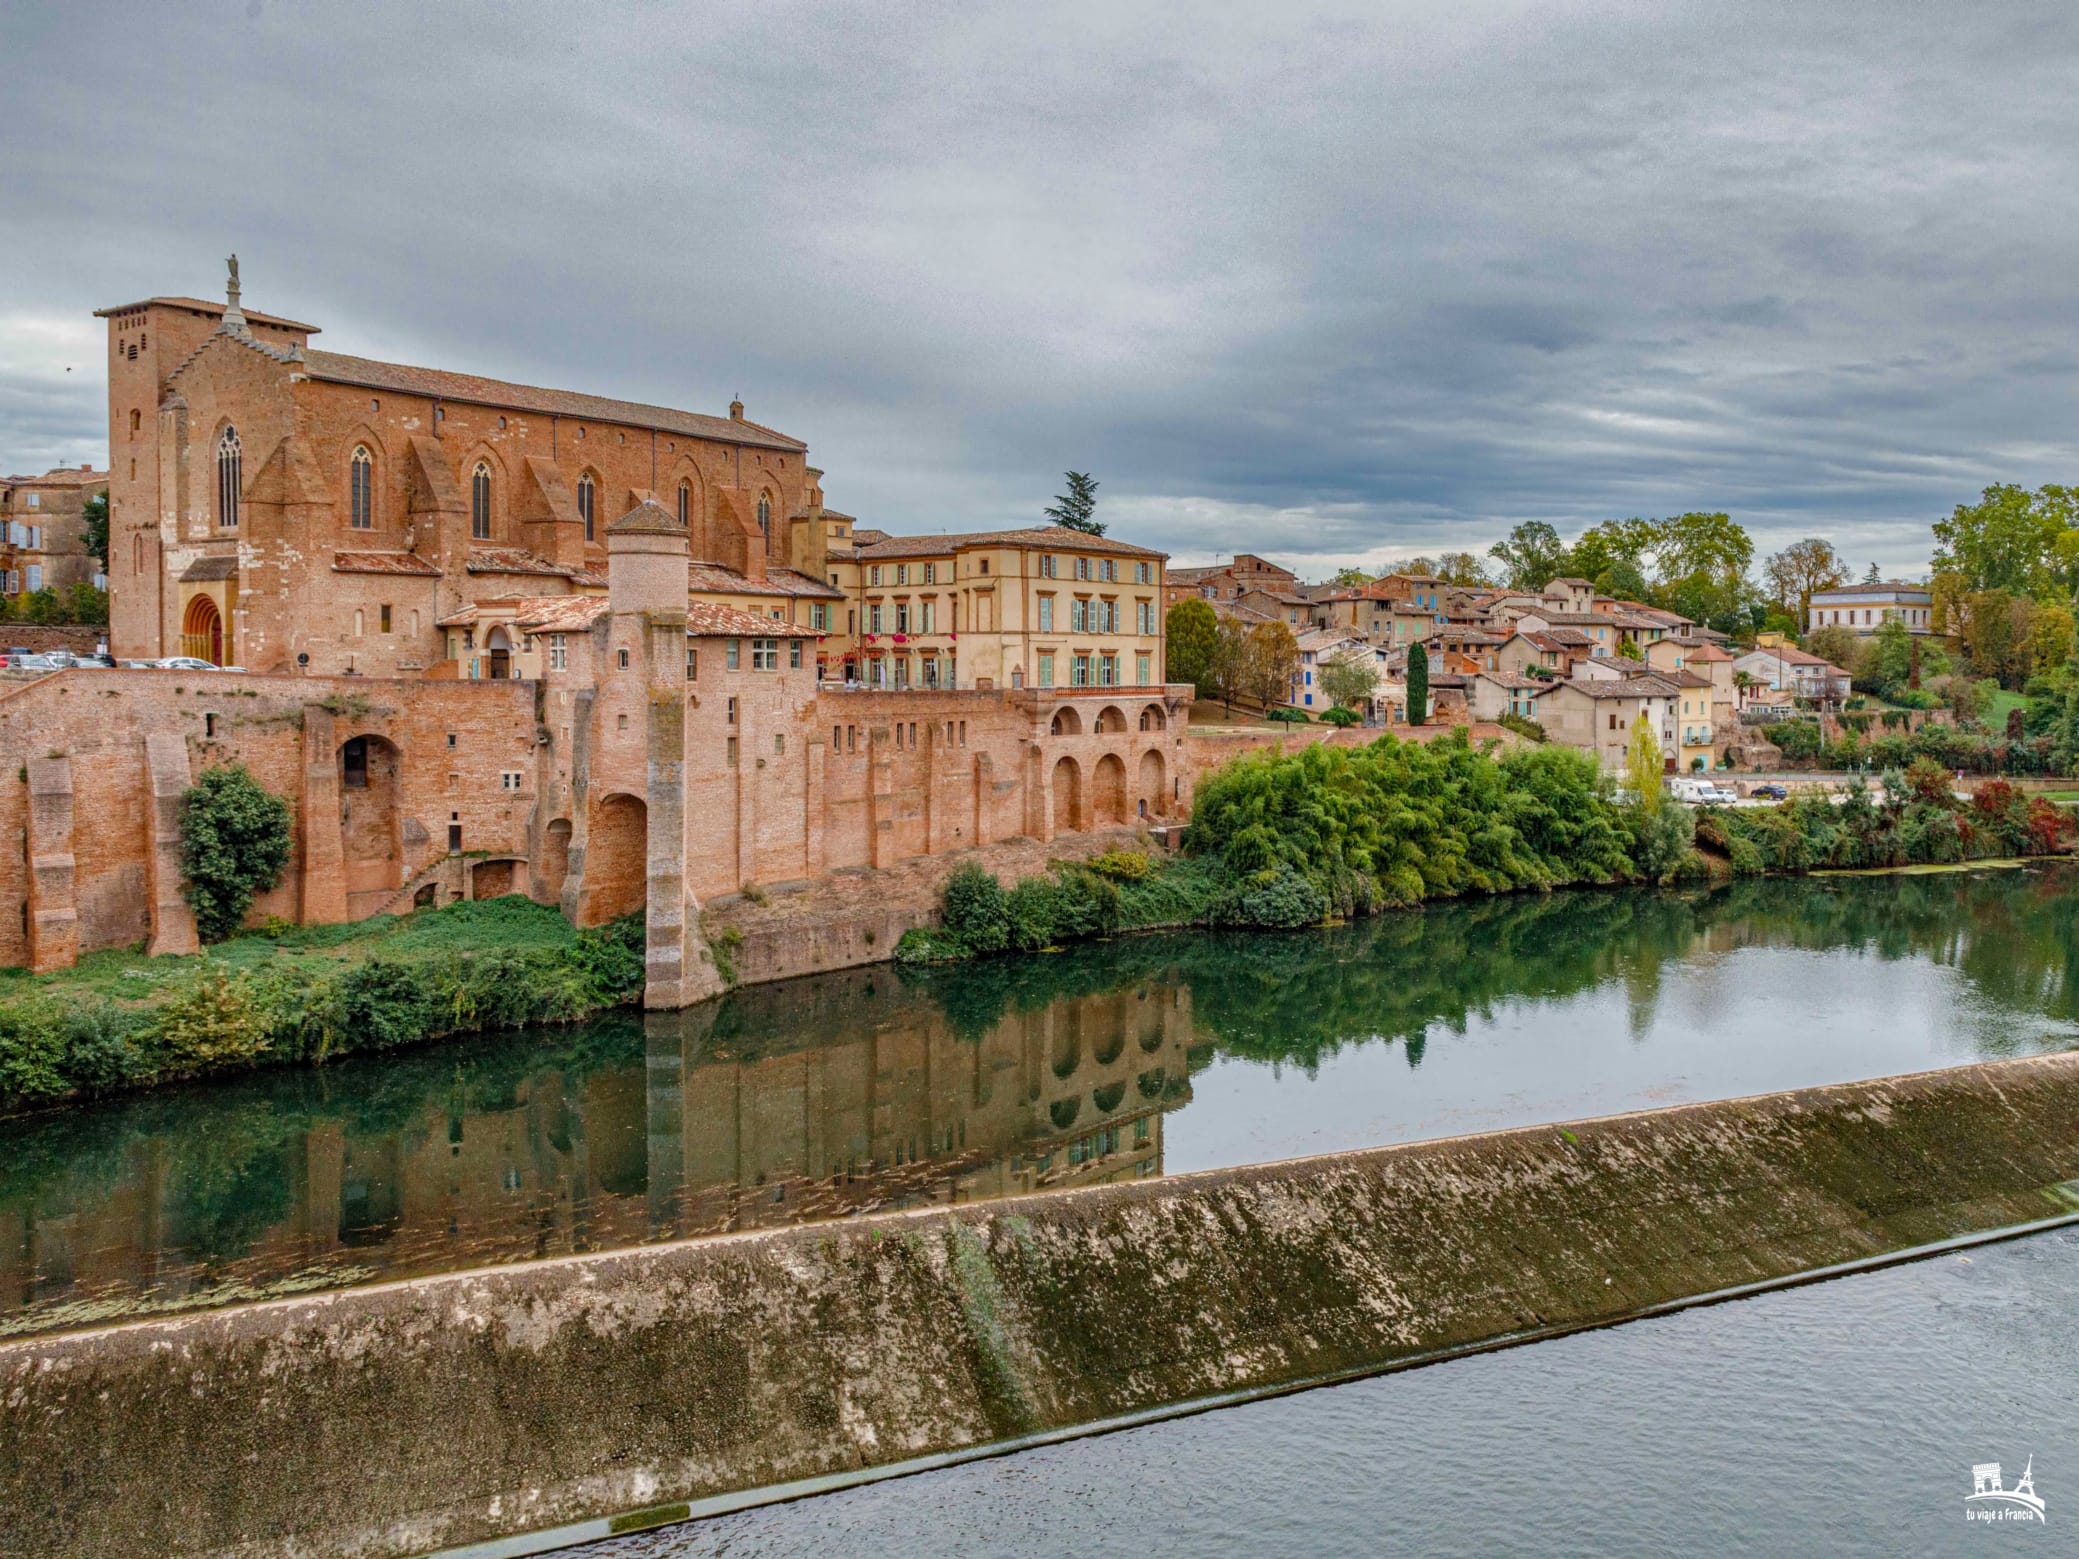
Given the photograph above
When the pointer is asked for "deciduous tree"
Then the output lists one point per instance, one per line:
(1190, 633)
(1350, 678)
(1531, 557)
(1798, 570)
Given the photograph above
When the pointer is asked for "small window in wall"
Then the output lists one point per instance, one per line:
(209, 726)
(510, 779)
(765, 514)
(685, 503)
(451, 741)
(353, 764)
(732, 752)
(623, 660)
(136, 422)
(794, 654)
(732, 649)
(385, 611)
(559, 653)
(454, 833)
(692, 664)
(779, 743)
(620, 722)
(732, 711)
(587, 498)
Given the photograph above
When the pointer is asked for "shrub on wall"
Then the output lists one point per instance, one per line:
(234, 844)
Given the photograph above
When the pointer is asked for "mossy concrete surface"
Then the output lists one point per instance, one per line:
(422, 1415)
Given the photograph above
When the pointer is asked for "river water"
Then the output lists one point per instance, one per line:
(876, 1089)
(1843, 1418)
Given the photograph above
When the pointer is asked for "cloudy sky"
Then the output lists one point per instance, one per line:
(1331, 283)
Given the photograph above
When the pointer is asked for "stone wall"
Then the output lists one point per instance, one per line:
(548, 1398)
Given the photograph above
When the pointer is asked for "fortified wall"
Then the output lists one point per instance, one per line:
(677, 754)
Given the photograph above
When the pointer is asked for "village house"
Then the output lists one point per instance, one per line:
(1866, 608)
(1797, 672)
(1597, 715)
(43, 541)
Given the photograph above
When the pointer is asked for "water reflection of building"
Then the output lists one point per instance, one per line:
(738, 1115)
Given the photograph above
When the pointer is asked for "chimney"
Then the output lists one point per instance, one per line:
(86, 465)
(736, 410)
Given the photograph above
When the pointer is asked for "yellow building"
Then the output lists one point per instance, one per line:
(1042, 607)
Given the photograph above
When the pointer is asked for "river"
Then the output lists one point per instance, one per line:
(876, 1089)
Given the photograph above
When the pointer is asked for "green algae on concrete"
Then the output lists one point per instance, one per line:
(459, 1409)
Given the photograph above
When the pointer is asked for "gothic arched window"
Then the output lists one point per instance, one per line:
(765, 515)
(480, 501)
(586, 492)
(685, 503)
(361, 488)
(228, 483)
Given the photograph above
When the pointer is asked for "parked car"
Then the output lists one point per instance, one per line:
(185, 663)
(1769, 792)
(1699, 792)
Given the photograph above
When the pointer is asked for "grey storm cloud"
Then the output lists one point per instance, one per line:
(1331, 283)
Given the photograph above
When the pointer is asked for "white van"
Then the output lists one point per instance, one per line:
(1699, 792)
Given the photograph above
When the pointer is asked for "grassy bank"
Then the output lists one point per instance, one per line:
(119, 1020)
(1289, 840)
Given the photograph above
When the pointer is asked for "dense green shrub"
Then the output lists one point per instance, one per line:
(234, 843)
(975, 910)
(1340, 717)
(1287, 714)
(1523, 726)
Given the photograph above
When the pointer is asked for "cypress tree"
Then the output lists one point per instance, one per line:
(1418, 685)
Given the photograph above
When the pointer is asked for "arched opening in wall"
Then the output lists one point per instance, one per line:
(1153, 719)
(1067, 722)
(370, 823)
(1110, 720)
(1111, 791)
(1151, 787)
(617, 849)
(500, 644)
(202, 631)
(1067, 796)
(555, 858)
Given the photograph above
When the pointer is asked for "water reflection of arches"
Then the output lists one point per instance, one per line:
(1063, 1112)
(370, 822)
(617, 851)
(1067, 796)
(1111, 720)
(1109, 1097)
(1111, 791)
(1067, 1051)
(1150, 790)
(1067, 722)
(202, 631)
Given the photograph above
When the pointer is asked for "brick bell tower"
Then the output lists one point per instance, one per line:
(648, 552)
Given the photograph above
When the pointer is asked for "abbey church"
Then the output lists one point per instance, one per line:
(493, 638)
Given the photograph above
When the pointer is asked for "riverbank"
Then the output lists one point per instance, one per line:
(121, 1020)
(627, 1388)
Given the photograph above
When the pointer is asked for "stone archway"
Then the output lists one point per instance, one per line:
(1111, 720)
(555, 859)
(371, 846)
(500, 645)
(1151, 791)
(617, 853)
(1067, 722)
(1110, 791)
(202, 631)
(1066, 795)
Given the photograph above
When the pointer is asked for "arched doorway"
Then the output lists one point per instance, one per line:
(370, 843)
(202, 631)
(1150, 788)
(617, 851)
(500, 644)
(1153, 719)
(1067, 793)
(1067, 722)
(1111, 791)
(1111, 720)
(555, 859)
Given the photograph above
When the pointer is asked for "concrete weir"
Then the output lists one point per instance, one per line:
(624, 1390)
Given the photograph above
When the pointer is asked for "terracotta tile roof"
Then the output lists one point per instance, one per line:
(560, 613)
(61, 476)
(223, 565)
(709, 619)
(1708, 653)
(1038, 537)
(1624, 687)
(1577, 619)
(214, 310)
(465, 618)
(383, 563)
(514, 560)
(1514, 681)
(719, 579)
(1568, 638)
(336, 368)
(867, 535)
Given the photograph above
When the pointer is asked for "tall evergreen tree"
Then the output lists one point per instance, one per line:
(1418, 685)
(1077, 507)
